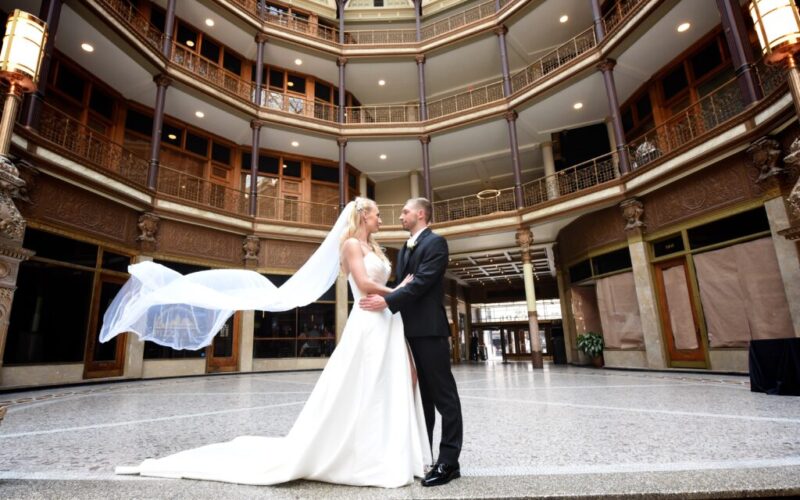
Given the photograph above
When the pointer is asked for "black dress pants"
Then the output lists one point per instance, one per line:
(438, 390)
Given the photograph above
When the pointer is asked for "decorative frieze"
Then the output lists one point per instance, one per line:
(251, 247)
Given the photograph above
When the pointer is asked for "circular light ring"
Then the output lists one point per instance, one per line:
(488, 194)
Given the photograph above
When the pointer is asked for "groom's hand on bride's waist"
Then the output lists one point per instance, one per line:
(372, 302)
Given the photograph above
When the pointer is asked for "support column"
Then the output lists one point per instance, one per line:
(341, 62)
(426, 166)
(50, 13)
(788, 258)
(340, 10)
(511, 119)
(342, 141)
(423, 103)
(501, 31)
(362, 185)
(255, 126)
(632, 212)
(246, 340)
(162, 82)
(549, 170)
(607, 68)
(341, 305)
(418, 19)
(134, 346)
(261, 40)
(599, 27)
(612, 141)
(413, 180)
(739, 47)
(525, 240)
(169, 29)
(566, 314)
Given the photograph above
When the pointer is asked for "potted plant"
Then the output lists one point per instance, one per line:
(591, 344)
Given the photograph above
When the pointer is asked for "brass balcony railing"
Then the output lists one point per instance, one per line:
(138, 22)
(466, 100)
(458, 20)
(380, 37)
(185, 187)
(94, 148)
(292, 210)
(618, 13)
(295, 104)
(474, 206)
(553, 60)
(571, 180)
(211, 72)
(398, 113)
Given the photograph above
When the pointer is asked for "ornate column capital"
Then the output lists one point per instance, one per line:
(341, 61)
(524, 238)
(148, 231)
(251, 247)
(12, 224)
(420, 58)
(256, 124)
(341, 141)
(162, 80)
(261, 38)
(632, 212)
(500, 30)
(425, 139)
(510, 116)
(765, 153)
(606, 65)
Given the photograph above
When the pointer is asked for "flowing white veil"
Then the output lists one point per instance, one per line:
(185, 312)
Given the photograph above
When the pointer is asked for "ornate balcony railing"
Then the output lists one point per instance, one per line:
(474, 206)
(553, 60)
(176, 184)
(620, 11)
(380, 37)
(137, 21)
(398, 113)
(466, 100)
(291, 210)
(91, 146)
(294, 104)
(458, 20)
(211, 72)
(571, 180)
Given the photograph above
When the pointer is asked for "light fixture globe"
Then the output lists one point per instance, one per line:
(777, 25)
(23, 51)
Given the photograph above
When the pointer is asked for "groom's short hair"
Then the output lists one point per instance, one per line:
(425, 205)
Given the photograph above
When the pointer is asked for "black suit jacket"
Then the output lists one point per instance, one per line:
(420, 302)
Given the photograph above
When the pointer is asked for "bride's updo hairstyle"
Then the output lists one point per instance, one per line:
(362, 207)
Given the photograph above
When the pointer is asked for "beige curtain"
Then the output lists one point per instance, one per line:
(680, 308)
(741, 290)
(584, 310)
(619, 312)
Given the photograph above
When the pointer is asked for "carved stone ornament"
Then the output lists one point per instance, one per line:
(765, 154)
(632, 211)
(793, 158)
(251, 246)
(148, 227)
(12, 225)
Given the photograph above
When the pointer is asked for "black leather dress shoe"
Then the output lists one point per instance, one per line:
(441, 474)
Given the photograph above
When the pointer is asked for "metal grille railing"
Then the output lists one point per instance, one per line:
(458, 20)
(473, 206)
(95, 148)
(466, 100)
(770, 77)
(211, 72)
(296, 105)
(137, 21)
(380, 37)
(186, 187)
(708, 113)
(619, 12)
(383, 114)
(553, 60)
(293, 210)
(571, 180)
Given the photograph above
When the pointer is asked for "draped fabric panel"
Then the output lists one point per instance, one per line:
(619, 312)
(742, 293)
(584, 310)
(680, 308)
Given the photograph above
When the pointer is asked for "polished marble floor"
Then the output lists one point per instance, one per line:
(560, 432)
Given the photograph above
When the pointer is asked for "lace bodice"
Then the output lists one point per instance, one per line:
(377, 269)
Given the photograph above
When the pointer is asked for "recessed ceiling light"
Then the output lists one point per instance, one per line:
(577, 105)
(683, 27)
(564, 18)
(87, 47)
(172, 137)
(294, 144)
(209, 22)
(199, 114)
(381, 82)
(291, 84)
(298, 61)
(382, 157)
(190, 43)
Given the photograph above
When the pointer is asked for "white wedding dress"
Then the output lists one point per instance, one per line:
(362, 424)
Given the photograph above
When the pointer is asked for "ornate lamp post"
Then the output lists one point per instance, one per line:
(20, 61)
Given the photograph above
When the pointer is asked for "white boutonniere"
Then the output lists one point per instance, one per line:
(411, 244)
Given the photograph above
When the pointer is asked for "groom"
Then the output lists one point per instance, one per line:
(420, 303)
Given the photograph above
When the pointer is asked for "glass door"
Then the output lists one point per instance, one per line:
(103, 359)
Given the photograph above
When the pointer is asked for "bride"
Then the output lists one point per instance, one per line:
(367, 392)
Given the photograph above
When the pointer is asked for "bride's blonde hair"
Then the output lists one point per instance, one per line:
(362, 207)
